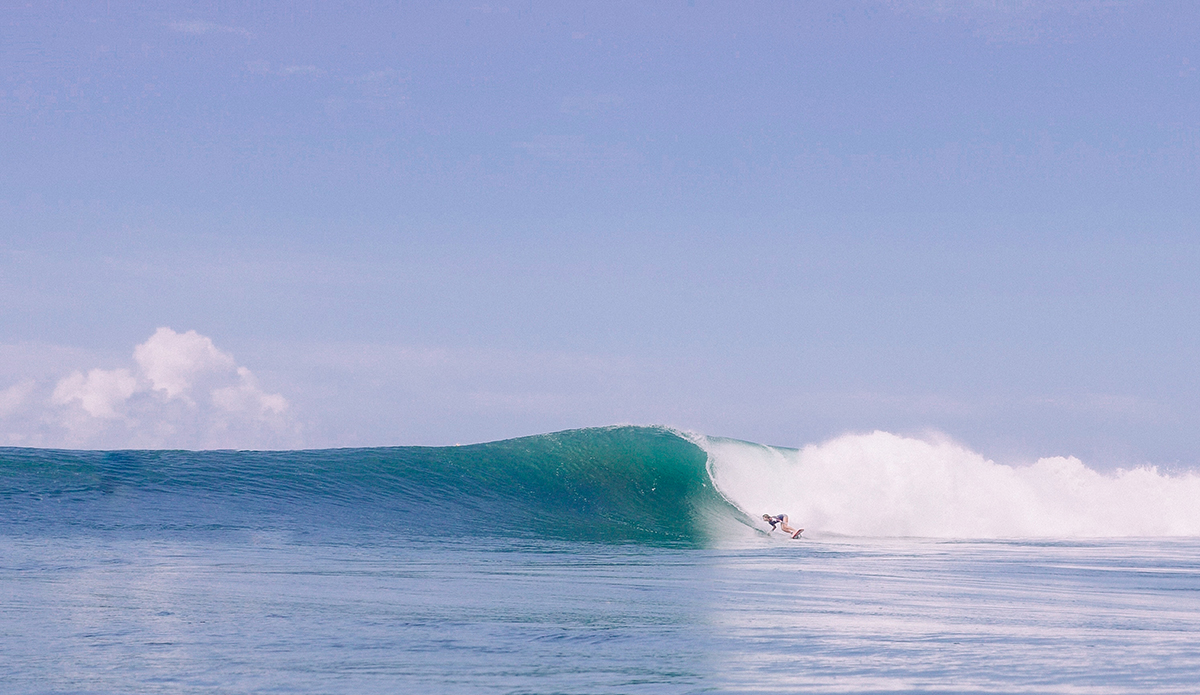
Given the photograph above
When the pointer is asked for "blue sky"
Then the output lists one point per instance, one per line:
(415, 223)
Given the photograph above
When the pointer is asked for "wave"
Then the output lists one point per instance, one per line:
(615, 484)
(882, 484)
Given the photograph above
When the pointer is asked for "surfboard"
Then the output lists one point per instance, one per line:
(797, 533)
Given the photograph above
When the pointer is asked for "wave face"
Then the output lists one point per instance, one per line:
(881, 484)
(618, 484)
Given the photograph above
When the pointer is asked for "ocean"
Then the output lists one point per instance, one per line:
(610, 560)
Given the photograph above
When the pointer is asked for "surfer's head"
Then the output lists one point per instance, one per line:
(766, 517)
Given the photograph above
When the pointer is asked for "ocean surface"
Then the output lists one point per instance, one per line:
(611, 560)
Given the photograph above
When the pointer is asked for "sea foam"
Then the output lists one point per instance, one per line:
(882, 484)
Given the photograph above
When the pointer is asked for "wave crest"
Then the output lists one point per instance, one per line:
(882, 484)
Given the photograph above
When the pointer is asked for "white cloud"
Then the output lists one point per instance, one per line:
(180, 391)
(14, 397)
(172, 361)
(100, 393)
(246, 398)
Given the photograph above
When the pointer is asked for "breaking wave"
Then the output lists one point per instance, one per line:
(881, 484)
(615, 484)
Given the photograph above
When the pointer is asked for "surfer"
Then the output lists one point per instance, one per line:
(781, 521)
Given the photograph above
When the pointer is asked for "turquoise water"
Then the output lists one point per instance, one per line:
(618, 484)
(596, 561)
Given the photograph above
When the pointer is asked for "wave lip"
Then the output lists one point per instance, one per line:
(885, 485)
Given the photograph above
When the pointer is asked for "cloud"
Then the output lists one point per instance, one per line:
(199, 27)
(172, 361)
(181, 391)
(99, 393)
(247, 399)
(13, 397)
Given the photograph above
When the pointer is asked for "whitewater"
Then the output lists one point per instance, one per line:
(607, 560)
(882, 484)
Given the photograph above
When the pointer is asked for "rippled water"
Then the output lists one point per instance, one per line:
(285, 613)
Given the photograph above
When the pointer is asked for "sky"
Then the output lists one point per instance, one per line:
(331, 224)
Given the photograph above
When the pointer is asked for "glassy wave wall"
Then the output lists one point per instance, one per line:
(615, 484)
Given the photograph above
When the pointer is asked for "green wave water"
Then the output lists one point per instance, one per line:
(614, 484)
